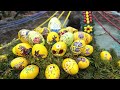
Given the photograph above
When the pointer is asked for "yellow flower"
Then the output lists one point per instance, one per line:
(88, 28)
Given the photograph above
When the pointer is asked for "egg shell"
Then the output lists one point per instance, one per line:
(35, 38)
(39, 51)
(83, 62)
(77, 46)
(23, 35)
(29, 72)
(87, 50)
(22, 49)
(67, 38)
(70, 66)
(52, 72)
(105, 55)
(19, 63)
(52, 38)
(54, 24)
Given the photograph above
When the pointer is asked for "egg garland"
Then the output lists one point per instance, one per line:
(52, 72)
(22, 49)
(19, 63)
(54, 25)
(59, 49)
(70, 66)
(105, 55)
(35, 38)
(67, 38)
(23, 35)
(87, 50)
(52, 38)
(77, 46)
(29, 72)
(87, 17)
(39, 51)
(83, 62)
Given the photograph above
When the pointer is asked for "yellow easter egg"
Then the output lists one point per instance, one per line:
(54, 24)
(23, 35)
(83, 62)
(29, 72)
(52, 38)
(71, 29)
(52, 72)
(70, 66)
(19, 63)
(59, 49)
(35, 38)
(39, 51)
(79, 35)
(87, 50)
(105, 55)
(77, 46)
(118, 63)
(22, 49)
(88, 38)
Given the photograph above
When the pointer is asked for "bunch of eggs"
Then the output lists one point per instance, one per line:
(87, 17)
(59, 39)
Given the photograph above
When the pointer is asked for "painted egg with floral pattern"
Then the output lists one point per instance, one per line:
(52, 72)
(19, 63)
(105, 55)
(70, 66)
(35, 38)
(29, 72)
(88, 50)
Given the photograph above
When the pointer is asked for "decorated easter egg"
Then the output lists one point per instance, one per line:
(67, 38)
(29, 72)
(59, 49)
(22, 49)
(105, 55)
(70, 66)
(88, 38)
(77, 46)
(52, 72)
(88, 50)
(52, 38)
(35, 38)
(19, 63)
(79, 35)
(83, 62)
(23, 35)
(54, 25)
(39, 51)
(44, 31)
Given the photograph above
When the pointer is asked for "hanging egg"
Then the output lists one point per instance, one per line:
(88, 38)
(79, 35)
(39, 51)
(70, 66)
(52, 72)
(77, 46)
(19, 63)
(54, 25)
(35, 38)
(83, 62)
(59, 49)
(87, 50)
(22, 49)
(52, 38)
(105, 55)
(23, 35)
(29, 72)
(67, 38)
